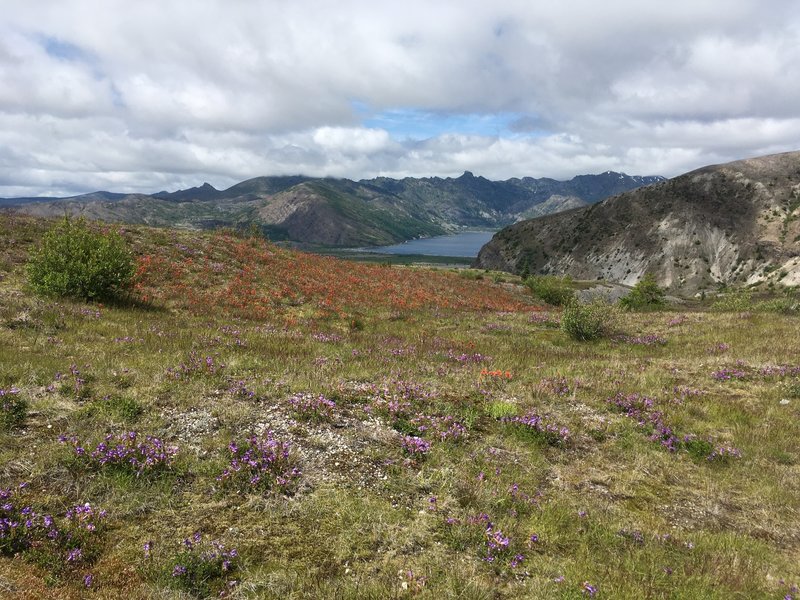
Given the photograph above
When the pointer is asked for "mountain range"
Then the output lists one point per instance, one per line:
(342, 212)
(736, 223)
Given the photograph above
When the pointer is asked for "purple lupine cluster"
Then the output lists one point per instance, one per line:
(68, 540)
(496, 542)
(128, 450)
(779, 371)
(555, 385)
(395, 397)
(443, 428)
(729, 373)
(718, 348)
(415, 446)
(683, 392)
(466, 358)
(641, 408)
(551, 434)
(327, 338)
(84, 516)
(90, 312)
(635, 406)
(238, 389)
(641, 340)
(518, 495)
(202, 565)
(195, 365)
(235, 334)
(679, 320)
(635, 536)
(76, 387)
(313, 407)
(723, 453)
(413, 581)
(496, 327)
(407, 390)
(543, 318)
(263, 463)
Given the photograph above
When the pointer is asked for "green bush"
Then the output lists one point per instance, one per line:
(645, 294)
(556, 291)
(75, 261)
(736, 301)
(13, 409)
(585, 322)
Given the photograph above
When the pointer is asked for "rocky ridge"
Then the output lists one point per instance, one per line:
(737, 223)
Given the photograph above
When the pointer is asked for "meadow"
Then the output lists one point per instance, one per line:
(255, 422)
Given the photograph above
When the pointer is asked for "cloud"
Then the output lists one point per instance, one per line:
(153, 95)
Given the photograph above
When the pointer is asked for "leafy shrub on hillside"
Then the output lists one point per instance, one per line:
(787, 304)
(645, 294)
(585, 322)
(736, 301)
(75, 261)
(556, 291)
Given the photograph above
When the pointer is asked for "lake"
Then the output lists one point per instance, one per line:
(465, 244)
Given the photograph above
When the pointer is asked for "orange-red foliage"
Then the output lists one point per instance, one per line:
(255, 279)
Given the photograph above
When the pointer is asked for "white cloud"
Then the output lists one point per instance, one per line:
(146, 95)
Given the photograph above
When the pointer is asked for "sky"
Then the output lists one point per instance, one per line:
(168, 94)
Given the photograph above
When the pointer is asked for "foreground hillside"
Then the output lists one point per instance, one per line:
(257, 423)
(341, 212)
(737, 223)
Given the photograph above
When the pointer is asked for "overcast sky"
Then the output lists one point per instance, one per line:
(156, 94)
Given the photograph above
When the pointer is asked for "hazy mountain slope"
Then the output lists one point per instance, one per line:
(342, 212)
(732, 223)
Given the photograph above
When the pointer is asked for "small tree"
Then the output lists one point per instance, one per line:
(75, 261)
(645, 294)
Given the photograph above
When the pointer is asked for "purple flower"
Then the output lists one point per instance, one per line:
(74, 555)
(415, 446)
(178, 571)
(589, 589)
(88, 579)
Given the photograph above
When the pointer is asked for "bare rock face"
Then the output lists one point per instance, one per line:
(737, 223)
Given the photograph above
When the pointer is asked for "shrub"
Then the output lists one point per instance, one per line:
(13, 409)
(556, 291)
(737, 301)
(586, 322)
(645, 294)
(75, 261)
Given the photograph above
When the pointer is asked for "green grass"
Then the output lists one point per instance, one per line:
(611, 508)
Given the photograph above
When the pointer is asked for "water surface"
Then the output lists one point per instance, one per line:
(464, 244)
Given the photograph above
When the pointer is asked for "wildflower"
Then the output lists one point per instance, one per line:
(88, 579)
(178, 571)
(415, 446)
(589, 589)
(74, 555)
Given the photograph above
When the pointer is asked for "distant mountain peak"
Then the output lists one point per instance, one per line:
(334, 211)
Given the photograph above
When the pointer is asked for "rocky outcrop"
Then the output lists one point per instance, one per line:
(737, 223)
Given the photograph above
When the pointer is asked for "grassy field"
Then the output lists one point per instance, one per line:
(259, 423)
